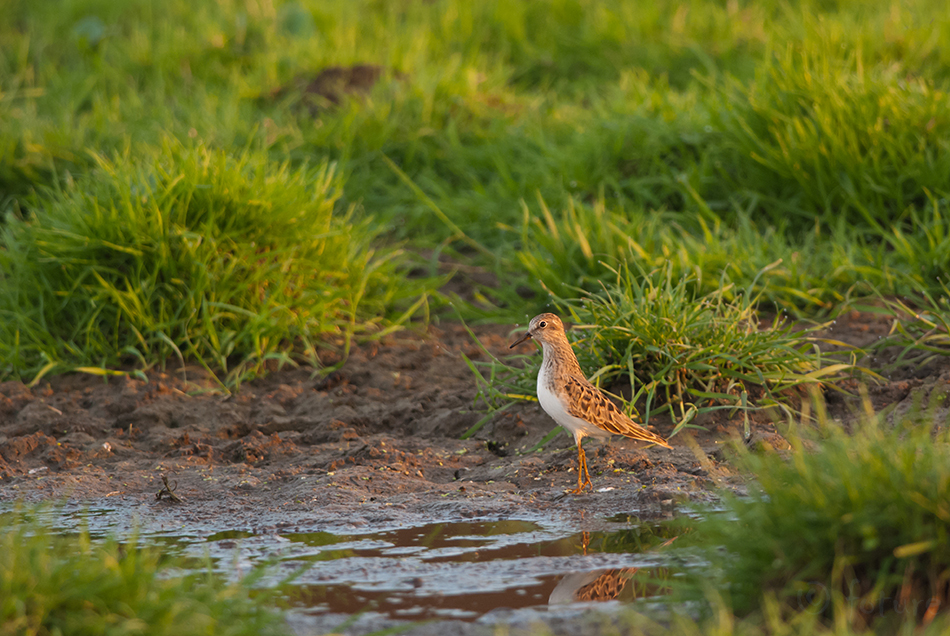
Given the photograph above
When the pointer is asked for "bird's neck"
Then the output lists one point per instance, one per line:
(560, 353)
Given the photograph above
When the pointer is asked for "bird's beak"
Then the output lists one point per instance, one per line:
(526, 336)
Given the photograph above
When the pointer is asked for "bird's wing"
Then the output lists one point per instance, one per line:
(585, 401)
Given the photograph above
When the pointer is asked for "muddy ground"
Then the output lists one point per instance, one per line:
(381, 433)
(375, 445)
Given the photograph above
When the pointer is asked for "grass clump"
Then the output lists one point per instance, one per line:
(682, 351)
(818, 136)
(227, 260)
(688, 353)
(921, 328)
(852, 527)
(809, 272)
(68, 584)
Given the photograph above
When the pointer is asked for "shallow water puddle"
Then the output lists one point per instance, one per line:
(460, 570)
(452, 570)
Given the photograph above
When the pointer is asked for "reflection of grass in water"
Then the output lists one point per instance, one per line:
(335, 598)
(429, 536)
(647, 537)
(643, 536)
(316, 539)
(230, 534)
(329, 555)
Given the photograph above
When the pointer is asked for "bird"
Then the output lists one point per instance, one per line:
(574, 403)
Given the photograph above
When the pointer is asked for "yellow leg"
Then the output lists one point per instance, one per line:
(587, 475)
(583, 475)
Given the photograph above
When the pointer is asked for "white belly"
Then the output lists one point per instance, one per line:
(554, 406)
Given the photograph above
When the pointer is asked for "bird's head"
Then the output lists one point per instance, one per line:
(544, 328)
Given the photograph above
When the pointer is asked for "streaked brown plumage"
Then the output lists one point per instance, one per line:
(572, 401)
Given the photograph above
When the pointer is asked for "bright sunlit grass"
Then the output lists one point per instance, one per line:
(723, 136)
(193, 254)
(687, 353)
(808, 272)
(681, 350)
(851, 527)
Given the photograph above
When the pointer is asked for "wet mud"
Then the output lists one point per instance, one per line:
(382, 434)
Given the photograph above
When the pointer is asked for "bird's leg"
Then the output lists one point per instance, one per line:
(581, 463)
(583, 476)
(587, 475)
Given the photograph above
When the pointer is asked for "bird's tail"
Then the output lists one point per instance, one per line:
(642, 434)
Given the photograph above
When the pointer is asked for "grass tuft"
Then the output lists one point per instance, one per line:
(681, 351)
(851, 526)
(687, 353)
(227, 260)
(922, 334)
(68, 584)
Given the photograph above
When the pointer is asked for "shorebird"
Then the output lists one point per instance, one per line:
(572, 401)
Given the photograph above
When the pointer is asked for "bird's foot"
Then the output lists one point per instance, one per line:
(583, 475)
(581, 485)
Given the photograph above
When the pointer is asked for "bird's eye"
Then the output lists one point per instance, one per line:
(542, 324)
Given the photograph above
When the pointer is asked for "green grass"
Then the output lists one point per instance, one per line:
(52, 583)
(794, 130)
(192, 253)
(163, 199)
(807, 272)
(689, 353)
(810, 272)
(682, 351)
(848, 520)
(770, 621)
(817, 136)
(922, 332)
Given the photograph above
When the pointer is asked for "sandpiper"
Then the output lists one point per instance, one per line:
(572, 401)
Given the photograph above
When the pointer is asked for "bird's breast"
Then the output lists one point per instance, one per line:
(556, 406)
(552, 404)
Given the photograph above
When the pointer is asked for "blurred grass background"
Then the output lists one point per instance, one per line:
(562, 137)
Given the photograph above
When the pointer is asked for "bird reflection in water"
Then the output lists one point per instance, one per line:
(609, 585)
(599, 585)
